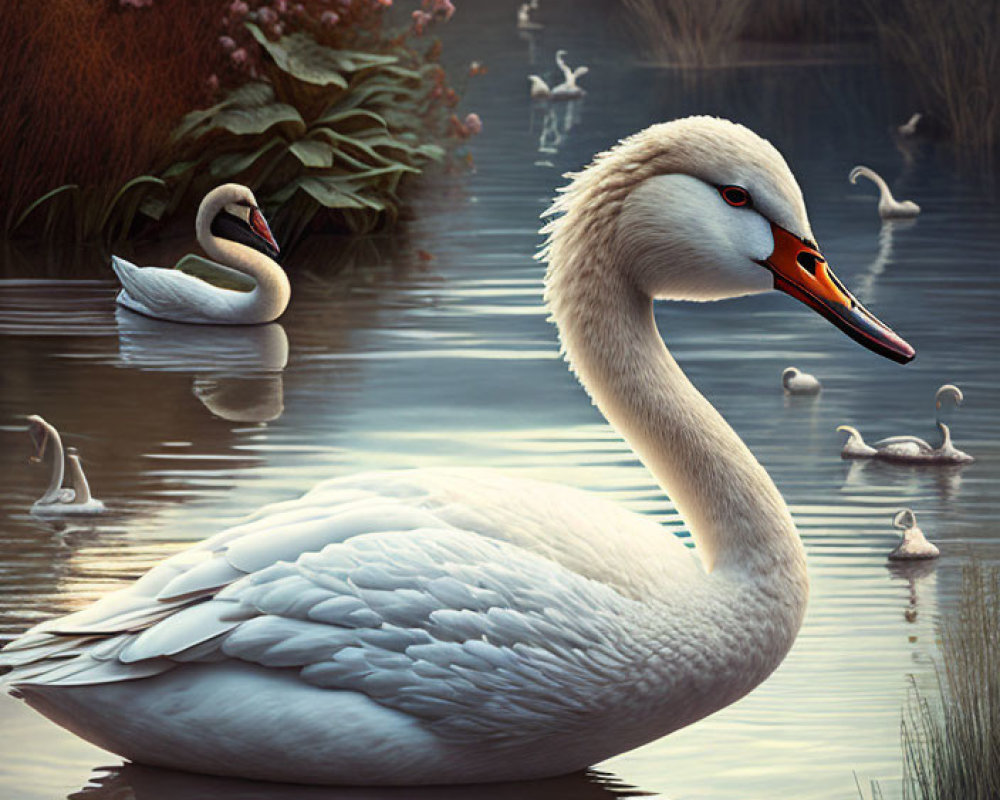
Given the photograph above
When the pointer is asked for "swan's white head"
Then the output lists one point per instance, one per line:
(230, 212)
(948, 392)
(701, 209)
(788, 373)
(38, 430)
(904, 519)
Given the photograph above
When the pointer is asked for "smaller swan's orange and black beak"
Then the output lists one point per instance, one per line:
(800, 270)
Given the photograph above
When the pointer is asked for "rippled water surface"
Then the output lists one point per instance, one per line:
(388, 359)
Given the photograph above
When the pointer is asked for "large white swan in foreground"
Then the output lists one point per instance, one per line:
(444, 626)
(243, 286)
(58, 500)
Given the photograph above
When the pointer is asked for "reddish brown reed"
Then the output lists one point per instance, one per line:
(91, 90)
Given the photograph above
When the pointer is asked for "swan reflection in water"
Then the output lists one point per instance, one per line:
(557, 122)
(237, 369)
(137, 782)
(921, 580)
(907, 480)
(867, 280)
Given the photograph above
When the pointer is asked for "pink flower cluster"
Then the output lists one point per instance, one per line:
(472, 125)
(431, 10)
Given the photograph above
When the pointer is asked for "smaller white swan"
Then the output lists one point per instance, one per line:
(913, 545)
(243, 285)
(888, 206)
(909, 127)
(795, 381)
(911, 449)
(524, 21)
(569, 87)
(539, 88)
(58, 501)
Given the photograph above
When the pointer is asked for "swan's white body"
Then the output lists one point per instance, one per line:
(913, 545)
(175, 295)
(539, 88)
(442, 626)
(888, 206)
(58, 501)
(910, 449)
(794, 381)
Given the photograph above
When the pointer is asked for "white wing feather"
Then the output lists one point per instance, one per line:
(427, 591)
(175, 295)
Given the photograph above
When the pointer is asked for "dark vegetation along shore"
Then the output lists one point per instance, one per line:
(947, 52)
(122, 112)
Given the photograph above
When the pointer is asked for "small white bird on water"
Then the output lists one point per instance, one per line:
(567, 90)
(455, 626)
(57, 500)
(795, 381)
(913, 545)
(911, 449)
(909, 128)
(244, 286)
(888, 206)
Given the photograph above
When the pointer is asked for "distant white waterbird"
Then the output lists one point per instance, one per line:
(795, 381)
(909, 128)
(524, 20)
(452, 625)
(888, 206)
(911, 449)
(913, 544)
(58, 500)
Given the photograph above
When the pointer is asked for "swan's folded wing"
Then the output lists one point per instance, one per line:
(216, 274)
(439, 624)
(903, 440)
(173, 294)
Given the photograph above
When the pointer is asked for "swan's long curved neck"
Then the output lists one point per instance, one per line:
(737, 517)
(273, 290)
(883, 188)
(81, 487)
(56, 478)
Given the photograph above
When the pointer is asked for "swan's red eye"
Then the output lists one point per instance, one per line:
(735, 195)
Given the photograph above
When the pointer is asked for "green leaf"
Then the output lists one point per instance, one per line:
(66, 187)
(302, 57)
(329, 192)
(178, 169)
(313, 153)
(334, 116)
(253, 121)
(230, 165)
(142, 180)
(250, 95)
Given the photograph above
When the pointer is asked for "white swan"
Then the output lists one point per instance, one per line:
(524, 21)
(910, 449)
(447, 626)
(569, 88)
(909, 127)
(913, 544)
(795, 381)
(539, 89)
(247, 287)
(888, 206)
(59, 501)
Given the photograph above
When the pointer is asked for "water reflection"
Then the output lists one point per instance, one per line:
(906, 480)
(135, 782)
(865, 283)
(920, 577)
(239, 367)
(557, 122)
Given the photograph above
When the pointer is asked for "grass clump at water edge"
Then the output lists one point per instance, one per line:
(951, 735)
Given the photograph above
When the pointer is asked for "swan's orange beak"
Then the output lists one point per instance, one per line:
(800, 270)
(262, 229)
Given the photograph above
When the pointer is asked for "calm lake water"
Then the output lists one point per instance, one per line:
(386, 359)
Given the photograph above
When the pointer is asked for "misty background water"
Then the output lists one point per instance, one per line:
(432, 347)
